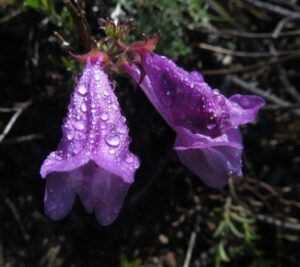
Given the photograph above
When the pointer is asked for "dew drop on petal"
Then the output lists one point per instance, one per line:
(97, 76)
(112, 139)
(104, 116)
(122, 129)
(123, 119)
(82, 90)
(79, 125)
(70, 135)
(114, 106)
(83, 107)
(129, 159)
(111, 151)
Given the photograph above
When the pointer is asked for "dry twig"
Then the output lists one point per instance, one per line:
(188, 256)
(78, 14)
(13, 119)
(230, 52)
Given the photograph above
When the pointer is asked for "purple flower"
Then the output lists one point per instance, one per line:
(93, 159)
(208, 142)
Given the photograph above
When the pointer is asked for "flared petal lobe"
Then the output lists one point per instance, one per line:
(213, 160)
(93, 156)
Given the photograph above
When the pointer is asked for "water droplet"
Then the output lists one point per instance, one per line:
(230, 173)
(104, 116)
(129, 159)
(112, 139)
(111, 151)
(76, 148)
(122, 129)
(114, 106)
(70, 135)
(79, 125)
(167, 100)
(82, 90)
(211, 126)
(105, 92)
(83, 107)
(97, 76)
(103, 126)
(123, 119)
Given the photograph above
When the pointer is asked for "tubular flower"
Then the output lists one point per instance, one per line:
(93, 159)
(208, 141)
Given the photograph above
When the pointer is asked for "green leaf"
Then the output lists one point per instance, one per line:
(33, 4)
(220, 9)
(220, 229)
(234, 230)
(222, 253)
(241, 219)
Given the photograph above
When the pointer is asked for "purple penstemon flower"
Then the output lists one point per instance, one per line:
(206, 122)
(93, 158)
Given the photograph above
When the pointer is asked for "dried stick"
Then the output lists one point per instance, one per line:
(22, 139)
(188, 256)
(78, 14)
(280, 26)
(241, 68)
(228, 33)
(10, 124)
(273, 8)
(285, 81)
(278, 223)
(225, 51)
(18, 111)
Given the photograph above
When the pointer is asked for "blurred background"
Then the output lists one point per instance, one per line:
(170, 217)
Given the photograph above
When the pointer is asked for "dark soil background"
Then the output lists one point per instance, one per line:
(240, 48)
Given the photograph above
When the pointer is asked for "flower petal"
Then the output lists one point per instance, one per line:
(213, 161)
(244, 108)
(100, 191)
(112, 194)
(59, 195)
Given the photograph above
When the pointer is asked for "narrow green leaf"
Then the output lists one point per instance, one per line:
(222, 253)
(220, 229)
(234, 230)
